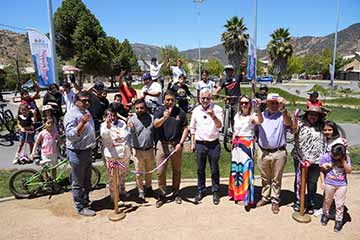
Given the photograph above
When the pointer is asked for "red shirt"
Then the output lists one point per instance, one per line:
(318, 103)
(127, 94)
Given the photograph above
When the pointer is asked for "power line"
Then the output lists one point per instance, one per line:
(14, 27)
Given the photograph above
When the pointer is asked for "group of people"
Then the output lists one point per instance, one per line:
(162, 125)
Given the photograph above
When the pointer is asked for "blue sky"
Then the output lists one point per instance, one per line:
(175, 22)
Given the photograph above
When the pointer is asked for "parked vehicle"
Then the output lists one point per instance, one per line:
(267, 79)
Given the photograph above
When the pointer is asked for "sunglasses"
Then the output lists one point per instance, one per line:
(244, 103)
(205, 98)
(84, 101)
(274, 103)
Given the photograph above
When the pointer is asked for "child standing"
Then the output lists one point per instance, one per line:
(116, 148)
(335, 165)
(48, 139)
(26, 125)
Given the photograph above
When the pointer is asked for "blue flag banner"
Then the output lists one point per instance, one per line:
(41, 55)
(251, 61)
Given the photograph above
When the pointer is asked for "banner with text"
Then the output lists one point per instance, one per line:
(251, 61)
(41, 55)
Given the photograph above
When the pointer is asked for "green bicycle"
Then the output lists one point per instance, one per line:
(27, 183)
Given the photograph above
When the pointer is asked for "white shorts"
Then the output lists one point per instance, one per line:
(51, 160)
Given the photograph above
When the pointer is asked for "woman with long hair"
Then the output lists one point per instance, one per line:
(241, 183)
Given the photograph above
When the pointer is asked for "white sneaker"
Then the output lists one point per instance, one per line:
(16, 159)
(318, 212)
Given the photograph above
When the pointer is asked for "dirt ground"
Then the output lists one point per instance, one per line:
(56, 218)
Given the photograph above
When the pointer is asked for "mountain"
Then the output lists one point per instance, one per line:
(348, 42)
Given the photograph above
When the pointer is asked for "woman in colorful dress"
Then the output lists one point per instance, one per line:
(241, 184)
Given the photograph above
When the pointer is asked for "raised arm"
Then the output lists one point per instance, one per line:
(145, 63)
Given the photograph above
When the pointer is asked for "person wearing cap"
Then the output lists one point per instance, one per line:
(313, 100)
(182, 93)
(272, 154)
(205, 125)
(128, 93)
(262, 95)
(204, 83)
(48, 113)
(171, 129)
(231, 84)
(154, 68)
(98, 103)
(177, 71)
(54, 98)
(308, 148)
(151, 92)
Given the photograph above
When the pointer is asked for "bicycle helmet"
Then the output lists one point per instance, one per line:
(264, 87)
(146, 76)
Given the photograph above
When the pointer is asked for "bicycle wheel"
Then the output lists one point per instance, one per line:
(9, 120)
(2, 124)
(95, 177)
(227, 137)
(25, 183)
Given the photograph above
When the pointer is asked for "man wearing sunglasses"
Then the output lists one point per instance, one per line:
(206, 122)
(272, 152)
(80, 139)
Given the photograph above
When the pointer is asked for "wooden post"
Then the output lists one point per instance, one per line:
(117, 215)
(301, 217)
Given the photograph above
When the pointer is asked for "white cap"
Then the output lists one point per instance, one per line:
(272, 97)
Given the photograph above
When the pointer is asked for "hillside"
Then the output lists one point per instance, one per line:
(12, 43)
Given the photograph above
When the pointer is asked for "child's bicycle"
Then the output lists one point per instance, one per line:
(27, 183)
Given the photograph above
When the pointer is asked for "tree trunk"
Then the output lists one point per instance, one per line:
(279, 78)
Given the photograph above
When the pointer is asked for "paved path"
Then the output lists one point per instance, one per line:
(55, 218)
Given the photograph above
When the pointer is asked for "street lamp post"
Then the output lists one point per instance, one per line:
(199, 2)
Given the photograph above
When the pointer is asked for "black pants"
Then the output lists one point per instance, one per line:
(209, 151)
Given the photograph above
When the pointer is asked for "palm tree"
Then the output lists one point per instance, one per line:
(280, 50)
(235, 40)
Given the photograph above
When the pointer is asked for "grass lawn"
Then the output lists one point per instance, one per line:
(188, 169)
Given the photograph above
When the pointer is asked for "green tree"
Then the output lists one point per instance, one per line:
(295, 65)
(213, 66)
(169, 55)
(280, 49)
(235, 41)
(66, 20)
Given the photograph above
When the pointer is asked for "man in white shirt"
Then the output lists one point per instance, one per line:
(206, 122)
(154, 68)
(151, 92)
(177, 71)
(68, 95)
(204, 83)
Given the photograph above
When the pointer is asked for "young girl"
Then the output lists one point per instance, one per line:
(48, 139)
(26, 125)
(335, 165)
(116, 148)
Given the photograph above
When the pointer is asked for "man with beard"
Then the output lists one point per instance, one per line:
(142, 143)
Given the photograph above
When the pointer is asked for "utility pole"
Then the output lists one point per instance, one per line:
(332, 72)
(52, 41)
(199, 2)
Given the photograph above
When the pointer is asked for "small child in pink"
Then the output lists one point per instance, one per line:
(48, 138)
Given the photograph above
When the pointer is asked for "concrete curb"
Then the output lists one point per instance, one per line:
(184, 180)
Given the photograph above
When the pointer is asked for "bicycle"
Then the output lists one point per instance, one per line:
(6, 119)
(227, 128)
(28, 183)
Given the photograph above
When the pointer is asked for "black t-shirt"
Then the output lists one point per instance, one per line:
(262, 97)
(97, 107)
(55, 100)
(182, 92)
(119, 108)
(172, 128)
(232, 88)
(26, 122)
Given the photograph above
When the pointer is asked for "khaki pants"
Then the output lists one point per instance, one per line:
(121, 174)
(143, 162)
(271, 165)
(163, 150)
(339, 193)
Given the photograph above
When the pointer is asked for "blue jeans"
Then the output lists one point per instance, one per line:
(209, 151)
(80, 161)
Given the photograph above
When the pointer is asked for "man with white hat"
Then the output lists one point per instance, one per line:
(272, 152)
